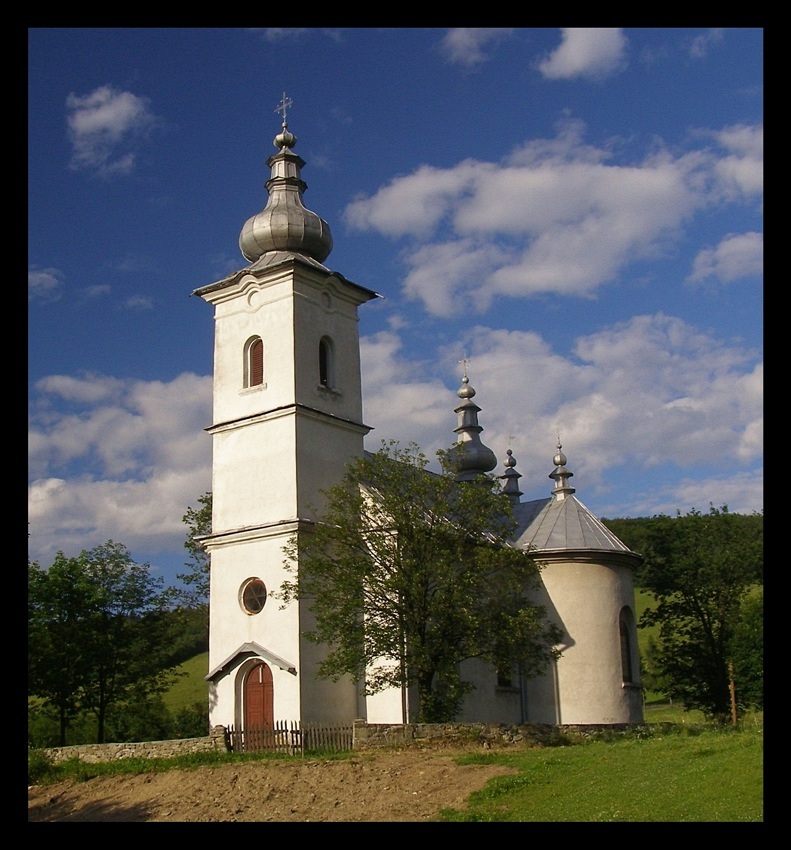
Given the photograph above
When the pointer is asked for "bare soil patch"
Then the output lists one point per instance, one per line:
(404, 785)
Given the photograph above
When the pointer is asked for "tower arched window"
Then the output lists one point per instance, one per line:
(326, 363)
(254, 362)
(626, 630)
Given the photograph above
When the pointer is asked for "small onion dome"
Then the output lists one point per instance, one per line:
(511, 478)
(561, 475)
(470, 456)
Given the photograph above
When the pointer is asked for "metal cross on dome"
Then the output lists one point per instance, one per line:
(284, 104)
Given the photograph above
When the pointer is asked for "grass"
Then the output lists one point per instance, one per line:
(667, 773)
(42, 771)
(191, 687)
(661, 772)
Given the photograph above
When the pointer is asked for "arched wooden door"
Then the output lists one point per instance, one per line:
(259, 698)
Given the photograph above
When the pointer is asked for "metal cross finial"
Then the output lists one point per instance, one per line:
(284, 104)
(465, 360)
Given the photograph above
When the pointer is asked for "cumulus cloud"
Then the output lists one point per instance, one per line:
(652, 392)
(555, 216)
(44, 285)
(142, 453)
(465, 45)
(586, 52)
(737, 256)
(105, 128)
(739, 173)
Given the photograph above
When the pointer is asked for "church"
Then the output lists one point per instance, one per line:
(287, 417)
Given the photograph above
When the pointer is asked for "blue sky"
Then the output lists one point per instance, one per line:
(577, 212)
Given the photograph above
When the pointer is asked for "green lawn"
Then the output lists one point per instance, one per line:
(685, 774)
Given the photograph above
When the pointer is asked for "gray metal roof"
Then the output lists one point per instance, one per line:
(551, 525)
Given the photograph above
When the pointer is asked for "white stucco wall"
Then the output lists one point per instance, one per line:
(275, 448)
(586, 684)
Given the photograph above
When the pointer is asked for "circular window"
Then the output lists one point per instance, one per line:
(253, 595)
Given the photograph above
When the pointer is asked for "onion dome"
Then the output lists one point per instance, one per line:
(285, 224)
(511, 478)
(561, 475)
(470, 456)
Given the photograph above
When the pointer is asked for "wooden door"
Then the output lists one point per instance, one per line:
(259, 698)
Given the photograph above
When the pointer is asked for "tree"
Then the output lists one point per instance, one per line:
(701, 569)
(99, 633)
(57, 608)
(198, 522)
(746, 651)
(193, 598)
(416, 568)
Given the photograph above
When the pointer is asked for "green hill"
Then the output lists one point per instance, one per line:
(191, 687)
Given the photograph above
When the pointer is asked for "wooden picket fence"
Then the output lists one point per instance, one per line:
(292, 737)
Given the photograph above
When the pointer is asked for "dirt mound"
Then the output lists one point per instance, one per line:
(408, 785)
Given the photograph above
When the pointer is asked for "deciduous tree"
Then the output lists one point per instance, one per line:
(701, 568)
(99, 632)
(409, 573)
(198, 522)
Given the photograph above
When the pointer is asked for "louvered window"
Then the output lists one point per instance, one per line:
(255, 362)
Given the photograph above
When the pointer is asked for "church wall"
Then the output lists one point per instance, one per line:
(231, 627)
(586, 685)
(261, 308)
(323, 310)
(488, 703)
(322, 700)
(318, 469)
(254, 474)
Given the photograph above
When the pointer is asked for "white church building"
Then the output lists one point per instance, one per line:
(287, 417)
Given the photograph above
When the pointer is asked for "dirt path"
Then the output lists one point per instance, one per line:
(409, 785)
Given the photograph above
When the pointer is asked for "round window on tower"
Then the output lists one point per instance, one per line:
(252, 596)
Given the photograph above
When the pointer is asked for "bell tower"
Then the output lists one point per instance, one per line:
(287, 417)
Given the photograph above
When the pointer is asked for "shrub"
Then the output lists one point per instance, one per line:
(39, 766)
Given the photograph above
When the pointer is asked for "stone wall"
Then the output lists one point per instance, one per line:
(373, 735)
(367, 736)
(92, 753)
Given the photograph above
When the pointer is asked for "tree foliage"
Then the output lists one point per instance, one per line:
(702, 570)
(99, 633)
(638, 533)
(408, 573)
(198, 522)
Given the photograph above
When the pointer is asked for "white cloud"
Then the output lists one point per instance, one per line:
(465, 45)
(104, 127)
(737, 256)
(701, 44)
(44, 284)
(138, 302)
(556, 216)
(415, 204)
(145, 450)
(650, 393)
(740, 173)
(586, 52)
(275, 34)
(742, 492)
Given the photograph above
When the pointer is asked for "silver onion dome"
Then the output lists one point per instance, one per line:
(470, 457)
(285, 224)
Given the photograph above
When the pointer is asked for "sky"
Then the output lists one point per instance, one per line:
(575, 215)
